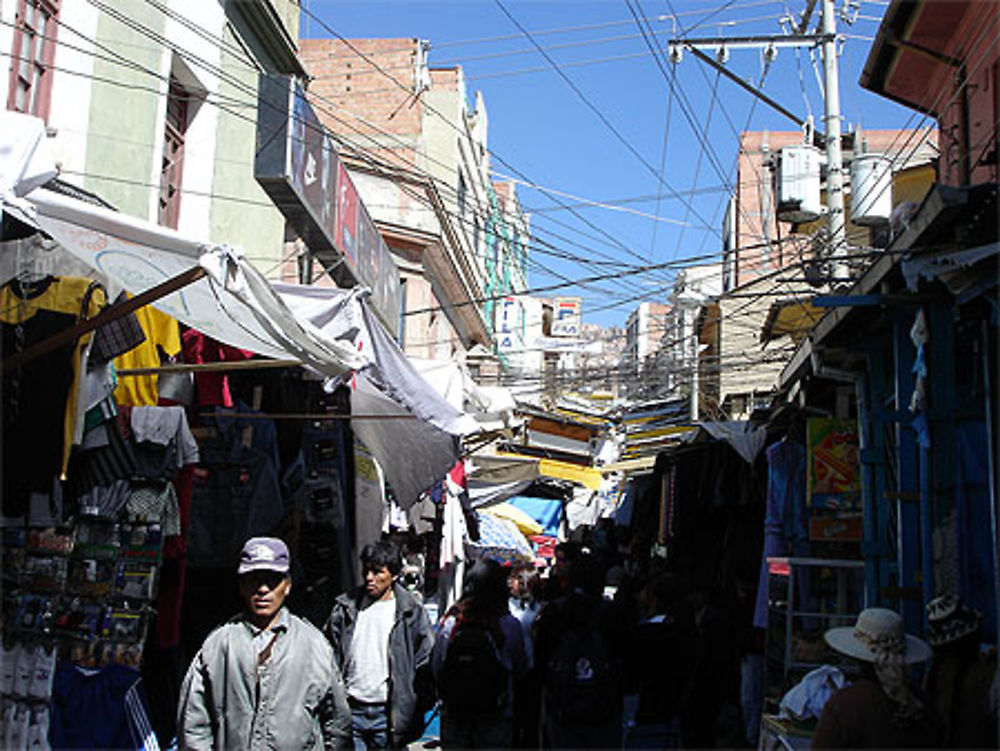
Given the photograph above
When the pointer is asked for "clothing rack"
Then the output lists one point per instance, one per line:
(109, 314)
(207, 367)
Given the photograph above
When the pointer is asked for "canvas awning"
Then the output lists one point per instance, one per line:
(793, 317)
(413, 432)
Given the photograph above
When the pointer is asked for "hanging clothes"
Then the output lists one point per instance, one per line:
(212, 388)
(100, 709)
(162, 334)
(785, 525)
(41, 395)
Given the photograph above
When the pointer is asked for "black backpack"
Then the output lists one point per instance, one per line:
(473, 679)
(582, 680)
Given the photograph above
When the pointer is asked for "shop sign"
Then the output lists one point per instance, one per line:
(833, 479)
(566, 316)
(299, 168)
(505, 324)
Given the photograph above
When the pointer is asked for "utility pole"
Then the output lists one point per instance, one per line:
(834, 157)
(826, 39)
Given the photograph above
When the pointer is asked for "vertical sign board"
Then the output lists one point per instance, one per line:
(506, 322)
(833, 477)
(297, 165)
(346, 235)
(566, 317)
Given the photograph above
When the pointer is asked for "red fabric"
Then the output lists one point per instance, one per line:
(171, 593)
(213, 388)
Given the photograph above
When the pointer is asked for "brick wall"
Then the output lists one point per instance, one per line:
(364, 92)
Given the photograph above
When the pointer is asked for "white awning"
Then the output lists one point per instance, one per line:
(414, 433)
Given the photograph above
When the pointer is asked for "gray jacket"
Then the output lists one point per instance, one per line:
(301, 702)
(410, 643)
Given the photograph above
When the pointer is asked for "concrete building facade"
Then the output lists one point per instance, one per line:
(418, 152)
(770, 265)
(637, 368)
(693, 287)
(152, 106)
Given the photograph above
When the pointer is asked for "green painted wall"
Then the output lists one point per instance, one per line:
(127, 106)
(251, 222)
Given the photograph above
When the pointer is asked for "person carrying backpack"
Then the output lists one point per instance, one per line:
(579, 653)
(478, 655)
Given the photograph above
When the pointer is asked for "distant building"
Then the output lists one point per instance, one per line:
(756, 243)
(643, 339)
(772, 269)
(418, 151)
(693, 287)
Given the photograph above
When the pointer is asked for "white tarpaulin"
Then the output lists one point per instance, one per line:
(409, 427)
(745, 439)
(332, 331)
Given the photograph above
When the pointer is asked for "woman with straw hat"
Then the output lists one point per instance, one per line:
(881, 709)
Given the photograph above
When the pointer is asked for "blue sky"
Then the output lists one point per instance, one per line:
(587, 117)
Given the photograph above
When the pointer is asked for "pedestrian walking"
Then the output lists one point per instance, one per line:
(266, 679)
(578, 649)
(478, 658)
(382, 643)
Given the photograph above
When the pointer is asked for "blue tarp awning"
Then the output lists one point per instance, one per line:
(545, 511)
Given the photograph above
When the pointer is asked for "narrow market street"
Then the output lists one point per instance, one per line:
(653, 407)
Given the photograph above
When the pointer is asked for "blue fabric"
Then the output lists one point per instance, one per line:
(231, 424)
(923, 429)
(976, 578)
(545, 511)
(235, 497)
(785, 526)
(500, 540)
(94, 709)
(370, 726)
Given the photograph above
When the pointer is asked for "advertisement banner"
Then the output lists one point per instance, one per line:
(298, 166)
(566, 316)
(347, 218)
(833, 472)
(506, 322)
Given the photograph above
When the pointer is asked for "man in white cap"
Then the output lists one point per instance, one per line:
(266, 679)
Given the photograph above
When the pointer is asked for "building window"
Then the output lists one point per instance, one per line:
(174, 131)
(32, 55)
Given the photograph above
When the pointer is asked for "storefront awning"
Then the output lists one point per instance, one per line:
(412, 431)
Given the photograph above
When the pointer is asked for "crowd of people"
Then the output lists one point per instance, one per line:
(522, 662)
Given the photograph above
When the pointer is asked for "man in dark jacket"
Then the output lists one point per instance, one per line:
(382, 643)
(266, 679)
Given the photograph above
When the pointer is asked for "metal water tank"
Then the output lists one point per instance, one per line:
(798, 184)
(871, 189)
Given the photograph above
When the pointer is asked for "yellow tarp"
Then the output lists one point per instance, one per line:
(586, 476)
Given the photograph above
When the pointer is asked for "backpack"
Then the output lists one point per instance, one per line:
(582, 679)
(473, 679)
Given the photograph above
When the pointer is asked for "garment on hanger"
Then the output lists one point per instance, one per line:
(100, 709)
(162, 334)
(212, 388)
(785, 524)
(40, 396)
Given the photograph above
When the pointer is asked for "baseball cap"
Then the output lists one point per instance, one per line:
(263, 553)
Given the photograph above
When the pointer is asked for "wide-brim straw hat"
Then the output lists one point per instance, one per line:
(876, 632)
